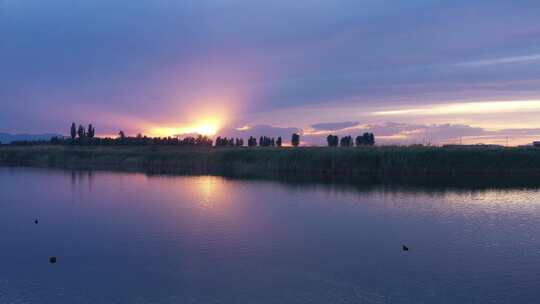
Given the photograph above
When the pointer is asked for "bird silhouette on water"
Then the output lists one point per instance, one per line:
(36, 221)
(52, 260)
(405, 248)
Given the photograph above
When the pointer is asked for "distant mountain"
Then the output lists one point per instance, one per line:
(6, 138)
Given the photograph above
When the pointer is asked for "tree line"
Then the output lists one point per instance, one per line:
(366, 139)
(86, 136)
(80, 135)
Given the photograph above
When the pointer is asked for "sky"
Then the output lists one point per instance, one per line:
(413, 71)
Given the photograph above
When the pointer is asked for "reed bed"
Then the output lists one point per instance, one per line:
(313, 161)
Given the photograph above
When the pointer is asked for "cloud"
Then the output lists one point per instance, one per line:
(157, 62)
(467, 108)
(334, 126)
(497, 61)
(436, 134)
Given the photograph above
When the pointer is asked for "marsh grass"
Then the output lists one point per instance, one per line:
(313, 161)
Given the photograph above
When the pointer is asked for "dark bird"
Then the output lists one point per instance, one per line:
(405, 248)
(52, 260)
(35, 221)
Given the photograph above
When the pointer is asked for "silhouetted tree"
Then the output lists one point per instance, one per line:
(225, 142)
(86, 136)
(188, 141)
(252, 141)
(371, 139)
(295, 140)
(367, 139)
(265, 141)
(332, 140)
(91, 132)
(81, 133)
(73, 131)
(203, 140)
(359, 140)
(346, 141)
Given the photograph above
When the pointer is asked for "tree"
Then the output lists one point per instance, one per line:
(371, 139)
(359, 141)
(265, 141)
(278, 142)
(346, 141)
(366, 139)
(122, 135)
(81, 132)
(295, 140)
(73, 131)
(203, 140)
(252, 141)
(332, 140)
(91, 131)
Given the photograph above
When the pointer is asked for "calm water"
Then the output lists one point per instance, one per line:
(130, 238)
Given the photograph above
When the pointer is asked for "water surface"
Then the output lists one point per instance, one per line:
(132, 238)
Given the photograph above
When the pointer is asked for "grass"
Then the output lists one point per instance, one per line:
(309, 161)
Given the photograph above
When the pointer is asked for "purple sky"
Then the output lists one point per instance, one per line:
(413, 71)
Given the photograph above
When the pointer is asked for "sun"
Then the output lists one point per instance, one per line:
(206, 129)
(209, 127)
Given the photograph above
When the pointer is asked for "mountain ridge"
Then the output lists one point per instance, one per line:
(6, 138)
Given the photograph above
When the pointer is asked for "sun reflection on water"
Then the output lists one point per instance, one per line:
(208, 188)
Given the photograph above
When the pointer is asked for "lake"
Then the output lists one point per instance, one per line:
(133, 238)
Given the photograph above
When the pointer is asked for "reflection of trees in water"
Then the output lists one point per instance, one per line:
(80, 178)
(430, 185)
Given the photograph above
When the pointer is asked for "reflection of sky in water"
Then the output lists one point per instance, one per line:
(132, 238)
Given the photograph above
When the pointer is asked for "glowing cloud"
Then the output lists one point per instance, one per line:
(467, 108)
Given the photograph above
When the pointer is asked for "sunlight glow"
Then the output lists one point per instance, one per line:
(206, 127)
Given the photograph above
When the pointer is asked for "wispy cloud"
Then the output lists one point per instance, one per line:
(333, 126)
(501, 60)
(466, 108)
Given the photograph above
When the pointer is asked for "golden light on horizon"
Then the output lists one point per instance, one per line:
(208, 127)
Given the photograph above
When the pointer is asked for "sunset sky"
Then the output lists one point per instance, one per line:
(414, 71)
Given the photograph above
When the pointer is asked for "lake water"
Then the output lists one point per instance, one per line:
(132, 238)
